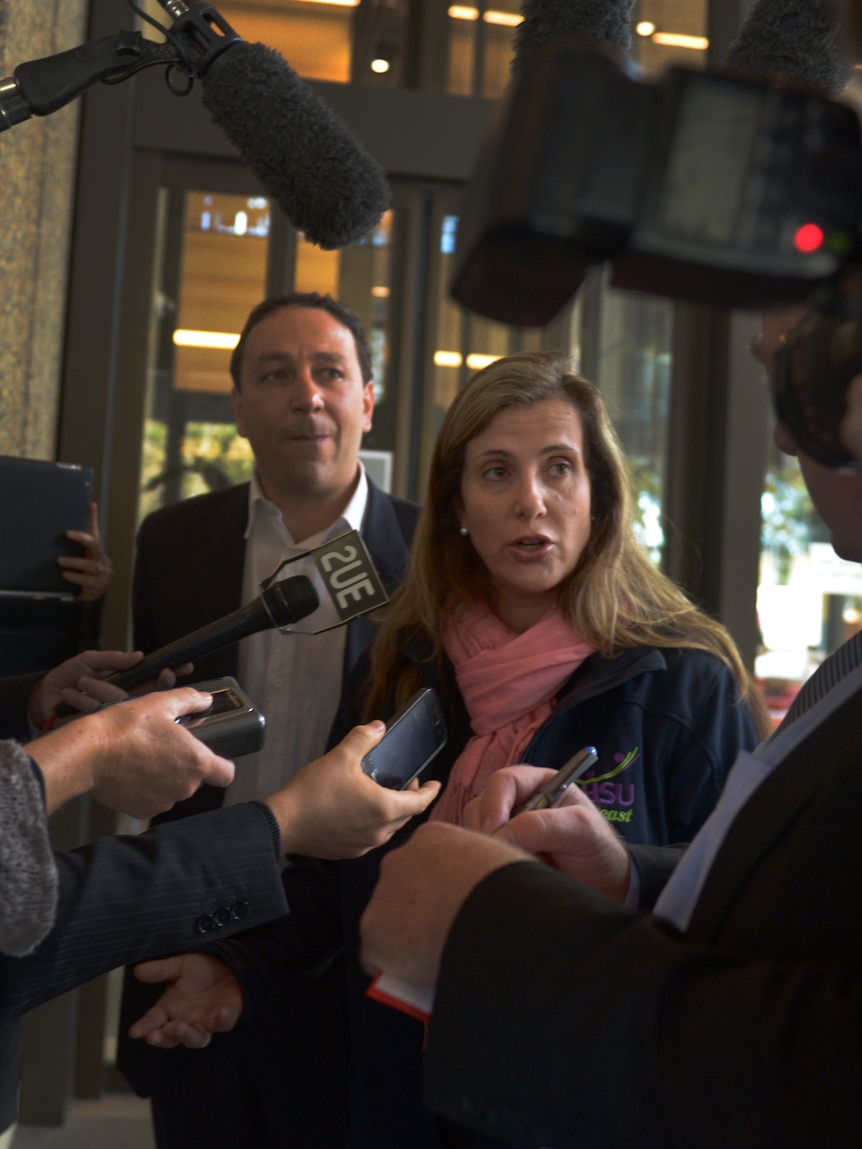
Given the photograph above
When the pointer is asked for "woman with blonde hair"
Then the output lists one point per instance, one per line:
(532, 610)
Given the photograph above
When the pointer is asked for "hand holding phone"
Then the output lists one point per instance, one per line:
(413, 738)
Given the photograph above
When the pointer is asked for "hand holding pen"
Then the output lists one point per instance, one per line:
(553, 791)
(564, 827)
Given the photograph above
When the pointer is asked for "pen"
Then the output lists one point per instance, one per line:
(553, 790)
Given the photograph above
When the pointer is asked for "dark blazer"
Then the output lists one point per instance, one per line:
(128, 899)
(588, 1025)
(188, 573)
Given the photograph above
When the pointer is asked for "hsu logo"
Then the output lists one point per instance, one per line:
(614, 797)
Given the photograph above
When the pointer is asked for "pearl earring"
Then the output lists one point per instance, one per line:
(463, 531)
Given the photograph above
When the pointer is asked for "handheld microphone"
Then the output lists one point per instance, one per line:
(282, 603)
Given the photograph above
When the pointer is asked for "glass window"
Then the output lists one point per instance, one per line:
(314, 38)
(464, 342)
(624, 343)
(669, 32)
(480, 46)
(808, 600)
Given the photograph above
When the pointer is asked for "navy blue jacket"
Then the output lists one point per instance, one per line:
(667, 725)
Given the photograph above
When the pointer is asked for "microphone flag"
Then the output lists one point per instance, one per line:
(345, 578)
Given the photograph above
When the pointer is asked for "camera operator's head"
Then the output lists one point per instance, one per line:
(836, 495)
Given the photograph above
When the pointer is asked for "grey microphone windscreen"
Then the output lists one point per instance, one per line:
(797, 39)
(606, 21)
(323, 178)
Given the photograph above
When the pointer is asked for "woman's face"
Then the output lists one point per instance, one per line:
(525, 499)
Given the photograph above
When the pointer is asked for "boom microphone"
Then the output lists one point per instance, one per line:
(325, 181)
(309, 161)
(605, 21)
(798, 40)
(282, 603)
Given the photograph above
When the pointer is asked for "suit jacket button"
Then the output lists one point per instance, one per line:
(205, 923)
(241, 910)
(223, 915)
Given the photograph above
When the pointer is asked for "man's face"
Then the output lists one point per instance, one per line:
(303, 405)
(837, 497)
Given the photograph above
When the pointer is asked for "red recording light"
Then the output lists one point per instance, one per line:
(809, 238)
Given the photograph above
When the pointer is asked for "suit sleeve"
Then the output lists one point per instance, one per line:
(589, 1025)
(126, 899)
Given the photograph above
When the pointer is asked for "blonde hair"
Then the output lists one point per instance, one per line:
(614, 597)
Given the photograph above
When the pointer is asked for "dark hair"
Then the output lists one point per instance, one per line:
(338, 311)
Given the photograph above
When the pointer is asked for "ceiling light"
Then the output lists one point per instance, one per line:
(447, 359)
(645, 28)
(380, 65)
(380, 292)
(674, 40)
(477, 362)
(220, 340)
(504, 19)
(461, 12)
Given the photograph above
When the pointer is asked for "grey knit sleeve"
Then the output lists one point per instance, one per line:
(28, 876)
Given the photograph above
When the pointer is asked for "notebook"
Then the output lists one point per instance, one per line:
(39, 502)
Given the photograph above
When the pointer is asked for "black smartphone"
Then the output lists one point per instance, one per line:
(413, 737)
(232, 726)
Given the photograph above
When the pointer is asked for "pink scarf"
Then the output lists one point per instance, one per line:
(508, 682)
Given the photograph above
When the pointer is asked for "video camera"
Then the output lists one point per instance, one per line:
(705, 187)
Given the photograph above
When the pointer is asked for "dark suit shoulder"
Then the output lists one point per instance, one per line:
(214, 506)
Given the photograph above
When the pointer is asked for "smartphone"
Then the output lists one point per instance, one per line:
(413, 737)
(232, 726)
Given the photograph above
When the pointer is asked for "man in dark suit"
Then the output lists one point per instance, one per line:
(730, 1016)
(303, 396)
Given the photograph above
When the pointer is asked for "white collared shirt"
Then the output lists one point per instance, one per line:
(294, 678)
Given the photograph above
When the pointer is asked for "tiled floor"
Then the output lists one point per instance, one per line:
(117, 1121)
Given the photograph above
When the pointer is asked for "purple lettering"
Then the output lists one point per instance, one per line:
(629, 799)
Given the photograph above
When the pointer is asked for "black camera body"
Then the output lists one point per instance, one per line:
(705, 187)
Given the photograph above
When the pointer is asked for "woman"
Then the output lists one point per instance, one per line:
(532, 610)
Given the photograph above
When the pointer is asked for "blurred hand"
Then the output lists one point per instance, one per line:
(332, 809)
(573, 837)
(203, 997)
(78, 682)
(421, 888)
(92, 571)
(133, 756)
